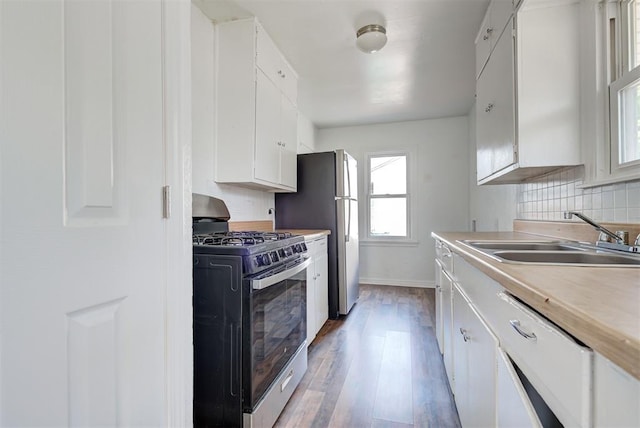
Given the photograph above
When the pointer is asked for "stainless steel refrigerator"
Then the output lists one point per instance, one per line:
(327, 198)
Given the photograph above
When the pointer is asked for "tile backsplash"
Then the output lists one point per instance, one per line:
(548, 196)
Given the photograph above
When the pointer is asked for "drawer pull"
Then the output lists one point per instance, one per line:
(286, 381)
(516, 325)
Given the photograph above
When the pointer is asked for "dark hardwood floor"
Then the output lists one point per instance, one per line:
(378, 367)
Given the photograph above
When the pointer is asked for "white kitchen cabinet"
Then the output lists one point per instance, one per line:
(495, 20)
(439, 302)
(564, 381)
(274, 66)
(616, 395)
(317, 286)
(527, 107)
(444, 313)
(256, 132)
(474, 356)
(447, 326)
(306, 135)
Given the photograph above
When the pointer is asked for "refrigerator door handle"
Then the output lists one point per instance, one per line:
(346, 168)
(348, 231)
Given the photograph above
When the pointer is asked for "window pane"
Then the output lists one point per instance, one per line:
(389, 175)
(389, 216)
(629, 149)
(634, 35)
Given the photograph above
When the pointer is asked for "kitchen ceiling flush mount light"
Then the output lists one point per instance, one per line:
(371, 38)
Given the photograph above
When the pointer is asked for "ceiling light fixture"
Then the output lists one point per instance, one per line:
(371, 38)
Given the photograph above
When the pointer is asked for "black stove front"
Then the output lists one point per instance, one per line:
(249, 303)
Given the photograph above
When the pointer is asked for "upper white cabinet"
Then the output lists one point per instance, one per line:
(527, 106)
(257, 118)
(494, 22)
(306, 135)
(275, 67)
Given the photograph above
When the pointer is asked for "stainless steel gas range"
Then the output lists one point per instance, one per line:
(249, 320)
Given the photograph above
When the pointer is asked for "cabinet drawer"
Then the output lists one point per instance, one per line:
(556, 365)
(445, 256)
(480, 289)
(316, 246)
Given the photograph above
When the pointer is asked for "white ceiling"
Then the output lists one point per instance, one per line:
(426, 70)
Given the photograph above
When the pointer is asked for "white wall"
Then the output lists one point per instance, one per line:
(493, 207)
(244, 204)
(440, 186)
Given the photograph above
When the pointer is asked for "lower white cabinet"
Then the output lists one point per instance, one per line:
(317, 286)
(509, 366)
(474, 361)
(444, 322)
(616, 396)
(513, 407)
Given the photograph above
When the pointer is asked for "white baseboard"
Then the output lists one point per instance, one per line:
(399, 282)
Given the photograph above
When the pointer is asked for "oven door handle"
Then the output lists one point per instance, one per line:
(259, 284)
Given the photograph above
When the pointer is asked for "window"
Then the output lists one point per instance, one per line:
(624, 88)
(388, 196)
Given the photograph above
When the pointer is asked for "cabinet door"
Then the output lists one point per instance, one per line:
(459, 353)
(268, 57)
(288, 143)
(438, 298)
(483, 44)
(289, 83)
(322, 285)
(475, 365)
(267, 153)
(495, 116)
(311, 303)
(446, 285)
(513, 408)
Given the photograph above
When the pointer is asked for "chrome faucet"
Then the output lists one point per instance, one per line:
(616, 238)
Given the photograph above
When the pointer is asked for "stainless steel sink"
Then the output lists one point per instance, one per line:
(553, 252)
(564, 257)
(524, 246)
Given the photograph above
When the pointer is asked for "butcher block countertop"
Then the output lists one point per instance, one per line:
(308, 233)
(598, 305)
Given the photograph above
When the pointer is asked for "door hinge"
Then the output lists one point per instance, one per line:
(166, 201)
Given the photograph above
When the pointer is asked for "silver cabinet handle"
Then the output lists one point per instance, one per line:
(489, 108)
(464, 334)
(516, 326)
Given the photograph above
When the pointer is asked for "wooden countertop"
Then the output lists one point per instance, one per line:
(598, 305)
(308, 233)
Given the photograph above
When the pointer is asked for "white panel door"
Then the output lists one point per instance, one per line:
(289, 148)
(82, 272)
(268, 142)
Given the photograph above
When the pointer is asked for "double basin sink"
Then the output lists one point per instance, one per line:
(553, 252)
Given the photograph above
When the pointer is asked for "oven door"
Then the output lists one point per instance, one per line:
(275, 324)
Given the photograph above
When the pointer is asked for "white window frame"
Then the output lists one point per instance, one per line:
(621, 76)
(411, 203)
